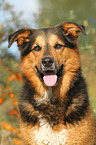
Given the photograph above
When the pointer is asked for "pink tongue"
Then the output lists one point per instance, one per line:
(50, 80)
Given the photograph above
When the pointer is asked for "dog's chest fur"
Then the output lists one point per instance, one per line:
(45, 135)
(48, 122)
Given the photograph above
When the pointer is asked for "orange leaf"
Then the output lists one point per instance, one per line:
(2, 100)
(14, 112)
(11, 72)
(18, 115)
(7, 88)
(18, 134)
(15, 102)
(19, 77)
(7, 126)
(11, 78)
(11, 95)
(17, 141)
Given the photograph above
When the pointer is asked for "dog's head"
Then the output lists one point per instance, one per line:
(49, 53)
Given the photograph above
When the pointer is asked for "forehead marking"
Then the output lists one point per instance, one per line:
(40, 40)
(47, 40)
(54, 39)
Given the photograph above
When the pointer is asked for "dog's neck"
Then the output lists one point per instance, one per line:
(50, 104)
(45, 97)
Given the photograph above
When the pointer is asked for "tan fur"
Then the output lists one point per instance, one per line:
(74, 134)
(70, 56)
(71, 28)
(22, 39)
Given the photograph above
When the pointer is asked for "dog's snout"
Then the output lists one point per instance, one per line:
(47, 61)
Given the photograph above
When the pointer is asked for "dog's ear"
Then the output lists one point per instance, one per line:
(73, 28)
(21, 36)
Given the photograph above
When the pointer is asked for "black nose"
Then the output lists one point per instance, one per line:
(47, 61)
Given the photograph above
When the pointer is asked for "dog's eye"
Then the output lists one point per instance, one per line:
(58, 46)
(37, 48)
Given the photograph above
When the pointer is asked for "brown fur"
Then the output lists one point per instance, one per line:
(77, 135)
(61, 114)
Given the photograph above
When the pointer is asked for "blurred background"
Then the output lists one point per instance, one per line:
(16, 14)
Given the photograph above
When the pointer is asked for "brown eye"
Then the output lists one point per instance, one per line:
(58, 46)
(37, 48)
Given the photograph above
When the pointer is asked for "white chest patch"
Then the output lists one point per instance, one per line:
(46, 136)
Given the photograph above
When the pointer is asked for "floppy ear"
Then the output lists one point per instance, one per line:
(20, 36)
(73, 28)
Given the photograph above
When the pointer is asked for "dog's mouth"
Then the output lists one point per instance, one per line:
(50, 77)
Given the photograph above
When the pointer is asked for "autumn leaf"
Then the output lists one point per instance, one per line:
(19, 77)
(18, 115)
(15, 102)
(7, 126)
(11, 78)
(16, 76)
(10, 128)
(11, 94)
(18, 134)
(11, 72)
(17, 141)
(2, 100)
(7, 88)
(14, 112)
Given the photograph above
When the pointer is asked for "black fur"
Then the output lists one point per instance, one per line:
(25, 48)
(72, 109)
(68, 40)
(27, 117)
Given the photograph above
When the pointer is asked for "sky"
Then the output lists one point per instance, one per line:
(28, 7)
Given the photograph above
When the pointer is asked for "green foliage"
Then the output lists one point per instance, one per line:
(8, 68)
(10, 22)
(10, 86)
(53, 12)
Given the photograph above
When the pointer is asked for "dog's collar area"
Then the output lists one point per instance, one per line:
(50, 77)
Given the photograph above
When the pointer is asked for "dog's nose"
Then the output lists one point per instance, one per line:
(47, 61)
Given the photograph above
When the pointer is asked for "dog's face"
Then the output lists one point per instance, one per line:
(49, 53)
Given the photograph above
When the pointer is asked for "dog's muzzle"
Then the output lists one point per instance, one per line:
(49, 73)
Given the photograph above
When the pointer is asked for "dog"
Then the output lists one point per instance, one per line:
(54, 105)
